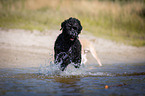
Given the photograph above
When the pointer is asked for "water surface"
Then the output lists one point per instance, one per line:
(121, 79)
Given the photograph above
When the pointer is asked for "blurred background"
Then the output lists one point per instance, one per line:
(122, 21)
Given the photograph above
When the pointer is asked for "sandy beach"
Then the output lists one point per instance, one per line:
(22, 48)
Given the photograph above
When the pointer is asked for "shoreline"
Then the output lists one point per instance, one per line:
(22, 48)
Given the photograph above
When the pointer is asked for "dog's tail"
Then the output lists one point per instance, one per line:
(93, 52)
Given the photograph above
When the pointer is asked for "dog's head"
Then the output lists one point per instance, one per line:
(71, 28)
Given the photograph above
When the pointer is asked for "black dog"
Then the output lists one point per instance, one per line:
(67, 46)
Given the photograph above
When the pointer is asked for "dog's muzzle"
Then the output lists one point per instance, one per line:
(73, 35)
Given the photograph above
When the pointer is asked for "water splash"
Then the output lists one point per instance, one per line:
(51, 69)
(54, 69)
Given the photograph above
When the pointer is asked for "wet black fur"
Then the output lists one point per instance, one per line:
(67, 46)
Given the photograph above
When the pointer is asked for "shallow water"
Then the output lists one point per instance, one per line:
(121, 79)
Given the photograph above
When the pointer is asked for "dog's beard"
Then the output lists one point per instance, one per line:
(73, 36)
(70, 36)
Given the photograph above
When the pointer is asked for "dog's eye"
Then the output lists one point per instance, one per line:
(75, 28)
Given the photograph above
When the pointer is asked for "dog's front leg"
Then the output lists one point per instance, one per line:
(66, 61)
(64, 58)
(77, 62)
(77, 65)
(63, 66)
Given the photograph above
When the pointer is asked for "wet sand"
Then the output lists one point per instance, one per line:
(23, 48)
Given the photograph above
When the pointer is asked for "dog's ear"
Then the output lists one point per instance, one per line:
(63, 24)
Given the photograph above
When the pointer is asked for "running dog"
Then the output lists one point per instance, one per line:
(67, 48)
(87, 46)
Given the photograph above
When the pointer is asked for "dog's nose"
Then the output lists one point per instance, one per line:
(74, 35)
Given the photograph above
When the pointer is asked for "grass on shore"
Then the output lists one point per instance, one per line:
(121, 22)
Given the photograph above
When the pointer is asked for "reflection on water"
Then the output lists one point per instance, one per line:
(121, 79)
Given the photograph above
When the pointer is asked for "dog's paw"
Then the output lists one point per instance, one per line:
(77, 65)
